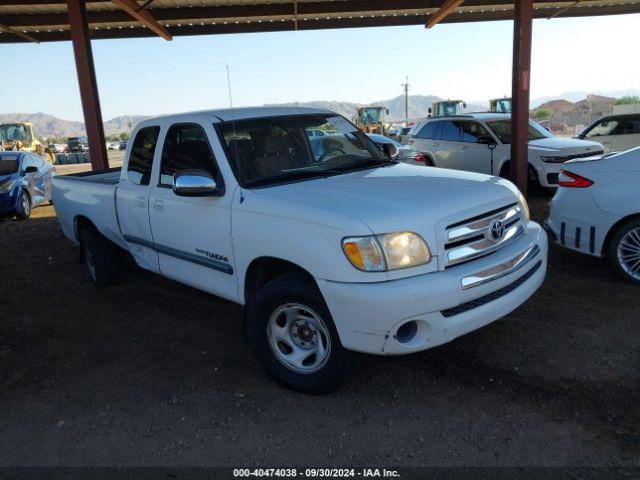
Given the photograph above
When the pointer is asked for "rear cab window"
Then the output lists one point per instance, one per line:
(141, 156)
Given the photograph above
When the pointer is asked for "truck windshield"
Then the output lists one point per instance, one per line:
(8, 165)
(502, 129)
(271, 150)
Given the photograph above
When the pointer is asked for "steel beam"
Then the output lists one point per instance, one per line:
(447, 7)
(143, 16)
(521, 82)
(18, 33)
(87, 82)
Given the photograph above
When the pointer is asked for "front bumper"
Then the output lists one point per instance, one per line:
(444, 307)
(9, 203)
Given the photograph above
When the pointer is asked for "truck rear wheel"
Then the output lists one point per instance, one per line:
(293, 335)
(101, 258)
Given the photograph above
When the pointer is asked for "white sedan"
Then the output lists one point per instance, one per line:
(596, 210)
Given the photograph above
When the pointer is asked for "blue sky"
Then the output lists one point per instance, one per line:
(470, 61)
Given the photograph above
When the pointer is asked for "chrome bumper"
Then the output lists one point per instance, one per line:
(501, 270)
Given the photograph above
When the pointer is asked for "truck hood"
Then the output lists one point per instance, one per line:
(398, 198)
(564, 145)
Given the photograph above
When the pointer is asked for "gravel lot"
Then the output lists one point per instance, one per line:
(155, 373)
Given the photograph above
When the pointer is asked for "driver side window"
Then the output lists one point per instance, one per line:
(185, 148)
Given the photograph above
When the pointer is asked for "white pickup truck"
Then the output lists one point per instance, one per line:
(330, 244)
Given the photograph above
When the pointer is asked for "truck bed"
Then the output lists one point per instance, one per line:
(91, 197)
(108, 176)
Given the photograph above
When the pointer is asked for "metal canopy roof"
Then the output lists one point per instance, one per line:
(47, 20)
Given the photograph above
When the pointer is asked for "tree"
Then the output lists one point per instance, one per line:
(543, 113)
(628, 99)
(124, 136)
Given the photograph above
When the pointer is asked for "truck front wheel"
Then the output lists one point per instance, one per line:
(291, 330)
(101, 258)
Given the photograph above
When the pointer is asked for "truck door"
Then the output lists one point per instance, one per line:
(192, 234)
(132, 198)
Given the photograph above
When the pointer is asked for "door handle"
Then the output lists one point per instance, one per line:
(464, 147)
(158, 204)
(141, 202)
(435, 144)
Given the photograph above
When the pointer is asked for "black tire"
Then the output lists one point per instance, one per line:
(23, 210)
(295, 289)
(633, 225)
(101, 258)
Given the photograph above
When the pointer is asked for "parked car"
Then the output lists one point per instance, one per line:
(25, 182)
(403, 134)
(123, 145)
(405, 154)
(75, 145)
(113, 145)
(596, 210)
(616, 133)
(480, 142)
(330, 252)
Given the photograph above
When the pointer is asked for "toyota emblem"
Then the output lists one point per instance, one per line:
(496, 231)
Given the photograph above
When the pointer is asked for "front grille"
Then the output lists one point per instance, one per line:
(490, 297)
(553, 178)
(471, 238)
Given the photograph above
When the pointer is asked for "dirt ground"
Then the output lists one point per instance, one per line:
(153, 373)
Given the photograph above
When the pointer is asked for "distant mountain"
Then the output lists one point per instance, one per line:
(576, 96)
(47, 125)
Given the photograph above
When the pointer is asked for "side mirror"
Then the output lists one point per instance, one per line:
(31, 169)
(391, 150)
(486, 140)
(194, 183)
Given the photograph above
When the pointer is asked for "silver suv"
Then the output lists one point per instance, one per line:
(480, 142)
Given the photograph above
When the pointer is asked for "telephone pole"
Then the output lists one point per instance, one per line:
(406, 100)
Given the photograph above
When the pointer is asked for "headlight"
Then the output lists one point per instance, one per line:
(526, 215)
(554, 159)
(391, 251)
(7, 186)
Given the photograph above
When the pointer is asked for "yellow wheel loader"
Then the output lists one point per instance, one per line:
(20, 136)
(372, 119)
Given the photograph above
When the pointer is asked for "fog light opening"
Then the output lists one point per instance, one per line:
(406, 332)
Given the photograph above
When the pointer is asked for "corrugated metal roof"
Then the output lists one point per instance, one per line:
(46, 20)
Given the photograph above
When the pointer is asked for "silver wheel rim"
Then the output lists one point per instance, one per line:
(91, 266)
(25, 204)
(629, 253)
(298, 338)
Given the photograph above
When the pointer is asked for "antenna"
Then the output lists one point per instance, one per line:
(229, 87)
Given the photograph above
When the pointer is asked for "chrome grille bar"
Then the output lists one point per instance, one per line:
(470, 240)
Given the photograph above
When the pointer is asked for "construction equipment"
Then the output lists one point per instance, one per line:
(500, 105)
(445, 108)
(20, 136)
(372, 119)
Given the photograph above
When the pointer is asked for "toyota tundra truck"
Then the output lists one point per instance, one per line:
(331, 245)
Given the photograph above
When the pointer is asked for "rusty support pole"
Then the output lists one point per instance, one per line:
(87, 82)
(521, 80)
